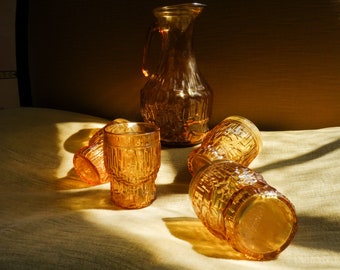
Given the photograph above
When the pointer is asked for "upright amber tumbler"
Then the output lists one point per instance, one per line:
(235, 138)
(132, 158)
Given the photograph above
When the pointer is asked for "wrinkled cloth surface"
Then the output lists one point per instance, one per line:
(50, 219)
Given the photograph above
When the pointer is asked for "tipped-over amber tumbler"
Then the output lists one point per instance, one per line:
(237, 205)
(88, 161)
(235, 138)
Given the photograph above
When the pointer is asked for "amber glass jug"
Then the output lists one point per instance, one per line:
(175, 97)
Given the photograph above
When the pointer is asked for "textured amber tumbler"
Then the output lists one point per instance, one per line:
(235, 138)
(132, 157)
(237, 205)
(88, 161)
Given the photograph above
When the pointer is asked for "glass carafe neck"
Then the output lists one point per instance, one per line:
(177, 53)
(176, 25)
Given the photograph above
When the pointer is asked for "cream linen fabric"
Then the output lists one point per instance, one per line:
(49, 219)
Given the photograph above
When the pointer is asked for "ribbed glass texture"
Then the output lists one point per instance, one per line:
(235, 138)
(132, 158)
(236, 204)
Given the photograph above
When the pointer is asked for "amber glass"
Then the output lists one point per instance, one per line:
(236, 204)
(88, 161)
(132, 157)
(235, 138)
(176, 98)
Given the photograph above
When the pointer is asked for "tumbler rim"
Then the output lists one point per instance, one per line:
(152, 128)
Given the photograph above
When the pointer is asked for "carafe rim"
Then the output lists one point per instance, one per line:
(179, 9)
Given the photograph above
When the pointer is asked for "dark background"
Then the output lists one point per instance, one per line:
(274, 62)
